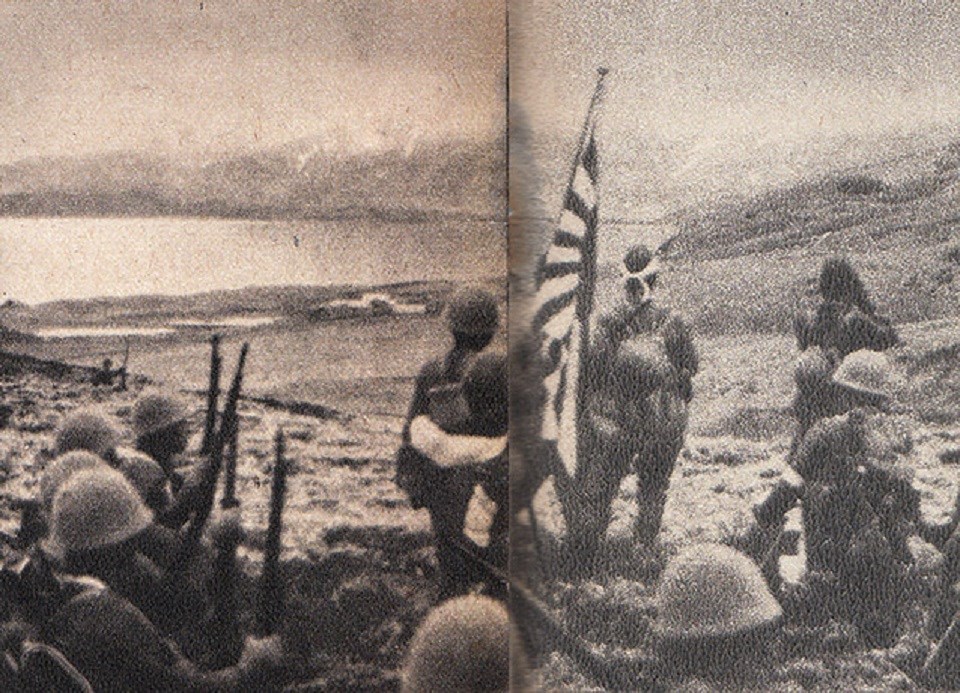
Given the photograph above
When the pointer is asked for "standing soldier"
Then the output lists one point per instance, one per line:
(452, 464)
(473, 319)
(638, 382)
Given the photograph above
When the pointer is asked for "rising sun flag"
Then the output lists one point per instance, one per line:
(565, 282)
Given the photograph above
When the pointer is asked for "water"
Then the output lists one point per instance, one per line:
(46, 259)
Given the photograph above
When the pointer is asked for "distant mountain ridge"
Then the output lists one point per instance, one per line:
(456, 178)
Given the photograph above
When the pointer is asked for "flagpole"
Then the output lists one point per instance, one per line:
(588, 276)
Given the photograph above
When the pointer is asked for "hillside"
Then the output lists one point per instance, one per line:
(459, 179)
(743, 263)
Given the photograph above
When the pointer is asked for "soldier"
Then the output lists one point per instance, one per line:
(845, 319)
(473, 319)
(161, 425)
(94, 432)
(462, 645)
(716, 617)
(111, 641)
(449, 466)
(87, 430)
(863, 379)
(104, 376)
(638, 382)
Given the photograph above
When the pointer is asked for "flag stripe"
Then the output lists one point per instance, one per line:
(560, 324)
(565, 239)
(556, 286)
(553, 270)
(589, 158)
(580, 209)
(572, 224)
(551, 307)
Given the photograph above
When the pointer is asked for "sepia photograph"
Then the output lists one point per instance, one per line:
(735, 332)
(253, 285)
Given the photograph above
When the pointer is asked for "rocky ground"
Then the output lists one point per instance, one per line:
(357, 562)
(734, 454)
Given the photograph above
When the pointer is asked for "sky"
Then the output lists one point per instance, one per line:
(748, 90)
(83, 78)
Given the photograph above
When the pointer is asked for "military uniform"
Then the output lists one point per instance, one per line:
(638, 385)
(473, 318)
(115, 644)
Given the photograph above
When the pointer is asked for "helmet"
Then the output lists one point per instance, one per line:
(141, 470)
(485, 387)
(153, 413)
(832, 447)
(96, 508)
(462, 645)
(61, 469)
(642, 270)
(473, 312)
(813, 368)
(87, 430)
(712, 590)
(867, 372)
(637, 259)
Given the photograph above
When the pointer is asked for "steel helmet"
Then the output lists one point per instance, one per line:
(87, 430)
(637, 259)
(833, 447)
(156, 412)
(867, 372)
(96, 508)
(61, 469)
(144, 472)
(473, 312)
(462, 645)
(710, 591)
(813, 368)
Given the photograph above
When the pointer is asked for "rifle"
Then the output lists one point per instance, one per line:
(229, 498)
(612, 672)
(270, 598)
(123, 368)
(213, 394)
(208, 487)
(225, 632)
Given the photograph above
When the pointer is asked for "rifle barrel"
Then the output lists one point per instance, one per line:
(270, 604)
(212, 470)
(213, 394)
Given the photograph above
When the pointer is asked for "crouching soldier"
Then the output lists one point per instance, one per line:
(442, 469)
(845, 320)
(462, 645)
(96, 515)
(825, 389)
(161, 424)
(715, 623)
(639, 384)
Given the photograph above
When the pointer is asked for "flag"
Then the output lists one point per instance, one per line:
(563, 300)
